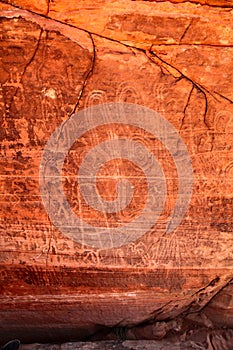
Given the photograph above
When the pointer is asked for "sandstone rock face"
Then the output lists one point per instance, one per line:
(60, 58)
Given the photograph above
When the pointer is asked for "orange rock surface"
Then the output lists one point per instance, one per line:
(58, 58)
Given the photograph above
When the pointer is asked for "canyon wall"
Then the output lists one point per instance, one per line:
(166, 63)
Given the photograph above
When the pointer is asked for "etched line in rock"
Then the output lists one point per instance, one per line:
(55, 153)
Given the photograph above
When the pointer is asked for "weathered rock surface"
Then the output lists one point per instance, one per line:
(217, 341)
(175, 58)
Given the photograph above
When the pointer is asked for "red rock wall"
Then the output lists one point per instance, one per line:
(58, 58)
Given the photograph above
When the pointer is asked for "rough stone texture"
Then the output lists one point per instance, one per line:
(174, 58)
(215, 341)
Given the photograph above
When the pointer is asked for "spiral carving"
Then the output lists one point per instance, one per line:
(74, 144)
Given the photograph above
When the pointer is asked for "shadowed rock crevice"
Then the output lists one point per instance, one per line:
(214, 3)
(58, 58)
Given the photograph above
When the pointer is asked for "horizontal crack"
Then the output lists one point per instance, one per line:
(199, 87)
(111, 39)
(228, 4)
(221, 46)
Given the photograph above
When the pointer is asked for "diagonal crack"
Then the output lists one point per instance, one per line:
(161, 65)
(88, 75)
(46, 16)
(202, 305)
(195, 303)
(25, 69)
(227, 5)
(226, 98)
(199, 87)
(165, 64)
(210, 342)
(203, 296)
(35, 52)
(186, 30)
(186, 106)
(48, 8)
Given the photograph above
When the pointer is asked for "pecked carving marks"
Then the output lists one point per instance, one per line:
(62, 75)
(157, 26)
(19, 56)
(208, 67)
(39, 56)
(42, 72)
(221, 214)
(142, 23)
